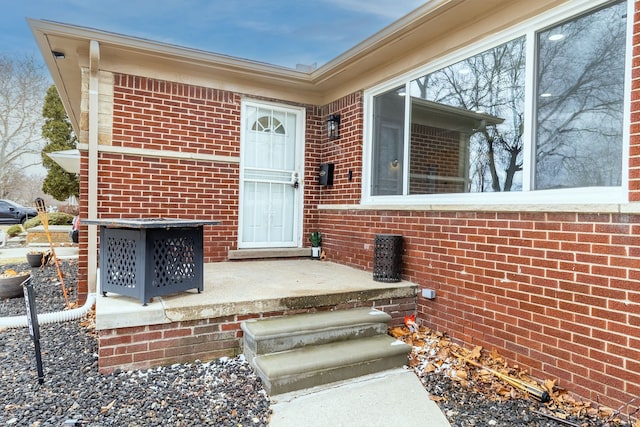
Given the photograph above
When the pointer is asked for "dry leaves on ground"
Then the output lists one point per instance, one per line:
(89, 321)
(434, 352)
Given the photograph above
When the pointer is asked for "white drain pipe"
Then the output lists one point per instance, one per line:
(53, 317)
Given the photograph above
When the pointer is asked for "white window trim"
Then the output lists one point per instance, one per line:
(585, 195)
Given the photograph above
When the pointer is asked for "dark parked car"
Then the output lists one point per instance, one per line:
(13, 213)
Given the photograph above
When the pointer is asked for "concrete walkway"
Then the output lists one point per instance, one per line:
(390, 398)
(62, 252)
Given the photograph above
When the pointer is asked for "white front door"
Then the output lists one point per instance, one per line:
(271, 159)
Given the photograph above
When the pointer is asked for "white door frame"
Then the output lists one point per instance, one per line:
(300, 114)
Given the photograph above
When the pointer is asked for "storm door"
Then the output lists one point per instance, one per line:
(271, 159)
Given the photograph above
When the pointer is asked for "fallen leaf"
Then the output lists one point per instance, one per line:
(495, 354)
(398, 332)
(430, 368)
(549, 385)
(461, 374)
(444, 353)
(475, 353)
(485, 375)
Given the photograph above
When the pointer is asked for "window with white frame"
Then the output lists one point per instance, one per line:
(463, 128)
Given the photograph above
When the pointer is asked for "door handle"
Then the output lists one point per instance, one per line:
(294, 180)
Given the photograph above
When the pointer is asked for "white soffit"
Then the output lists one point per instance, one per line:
(69, 160)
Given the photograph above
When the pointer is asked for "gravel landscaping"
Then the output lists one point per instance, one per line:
(220, 393)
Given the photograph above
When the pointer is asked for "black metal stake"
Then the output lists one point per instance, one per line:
(32, 321)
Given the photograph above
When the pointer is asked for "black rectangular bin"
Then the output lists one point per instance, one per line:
(387, 258)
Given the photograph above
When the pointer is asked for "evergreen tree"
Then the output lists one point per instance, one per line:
(58, 132)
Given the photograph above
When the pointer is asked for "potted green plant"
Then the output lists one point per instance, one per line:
(316, 242)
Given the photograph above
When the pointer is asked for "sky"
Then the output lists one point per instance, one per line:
(279, 32)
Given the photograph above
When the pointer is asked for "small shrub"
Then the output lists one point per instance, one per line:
(55, 218)
(14, 230)
(60, 218)
(30, 223)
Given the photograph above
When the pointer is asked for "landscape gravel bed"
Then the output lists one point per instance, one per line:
(220, 393)
(224, 392)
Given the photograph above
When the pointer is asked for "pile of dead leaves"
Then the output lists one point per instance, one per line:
(89, 321)
(488, 373)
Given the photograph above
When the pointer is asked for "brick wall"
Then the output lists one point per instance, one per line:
(315, 133)
(163, 115)
(139, 187)
(556, 293)
(83, 212)
(345, 152)
(144, 347)
(634, 149)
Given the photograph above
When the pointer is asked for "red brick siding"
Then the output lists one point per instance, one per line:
(345, 152)
(556, 293)
(161, 115)
(83, 212)
(141, 187)
(135, 187)
(144, 347)
(315, 132)
(634, 149)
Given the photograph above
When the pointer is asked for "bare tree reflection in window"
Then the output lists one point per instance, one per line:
(490, 83)
(580, 101)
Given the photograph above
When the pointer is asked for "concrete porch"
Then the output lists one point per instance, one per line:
(187, 326)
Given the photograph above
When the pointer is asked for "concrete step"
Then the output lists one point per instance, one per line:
(315, 365)
(286, 333)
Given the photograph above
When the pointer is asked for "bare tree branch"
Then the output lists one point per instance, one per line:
(22, 88)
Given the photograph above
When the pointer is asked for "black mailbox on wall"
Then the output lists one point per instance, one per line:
(325, 177)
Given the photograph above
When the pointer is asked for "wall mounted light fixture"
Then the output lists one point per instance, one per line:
(333, 126)
(57, 54)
